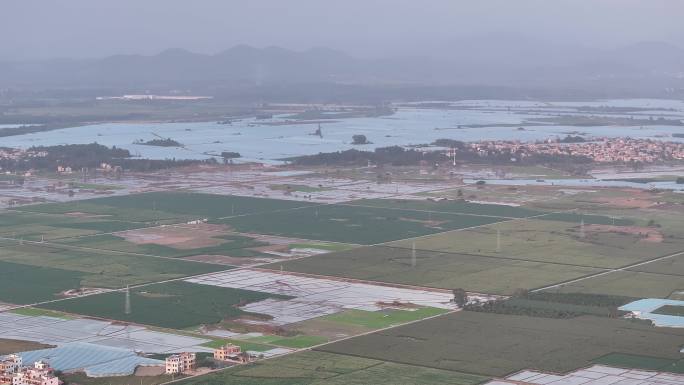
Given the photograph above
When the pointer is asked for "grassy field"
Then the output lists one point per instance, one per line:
(348, 224)
(554, 242)
(299, 342)
(82, 379)
(35, 312)
(318, 368)
(628, 283)
(382, 319)
(435, 269)
(166, 206)
(176, 305)
(496, 345)
(100, 268)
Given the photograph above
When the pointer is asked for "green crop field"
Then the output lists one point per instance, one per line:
(632, 361)
(232, 245)
(23, 284)
(101, 268)
(496, 345)
(671, 310)
(318, 368)
(668, 266)
(33, 226)
(628, 283)
(434, 269)
(349, 224)
(551, 241)
(452, 206)
(166, 206)
(659, 279)
(177, 305)
(588, 219)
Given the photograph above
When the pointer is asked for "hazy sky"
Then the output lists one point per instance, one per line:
(87, 28)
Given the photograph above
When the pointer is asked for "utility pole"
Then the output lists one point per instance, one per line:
(127, 305)
(498, 240)
(413, 254)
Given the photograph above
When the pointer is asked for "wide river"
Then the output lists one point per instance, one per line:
(409, 126)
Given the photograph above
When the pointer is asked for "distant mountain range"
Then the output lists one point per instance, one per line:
(489, 61)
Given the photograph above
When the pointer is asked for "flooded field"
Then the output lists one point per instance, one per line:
(272, 140)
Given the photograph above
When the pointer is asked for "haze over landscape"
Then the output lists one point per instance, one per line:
(625, 45)
(307, 192)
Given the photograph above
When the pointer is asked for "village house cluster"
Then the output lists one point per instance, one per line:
(184, 362)
(18, 153)
(603, 150)
(13, 372)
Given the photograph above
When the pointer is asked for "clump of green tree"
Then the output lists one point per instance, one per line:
(78, 156)
(168, 142)
(573, 139)
(400, 156)
(360, 139)
(228, 156)
(600, 300)
(554, 305)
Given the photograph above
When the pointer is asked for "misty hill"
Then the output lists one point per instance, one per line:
(177, 67)
(486, 61)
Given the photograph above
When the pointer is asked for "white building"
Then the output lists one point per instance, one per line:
(180, 363)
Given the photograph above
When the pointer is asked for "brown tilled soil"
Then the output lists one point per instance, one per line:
(12, 346)
(184, 237)
(647, 234)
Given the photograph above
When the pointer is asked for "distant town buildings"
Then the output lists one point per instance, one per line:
(180, 363)
(18, 153)
(601, 150)
(13, 372)
(154, 97)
